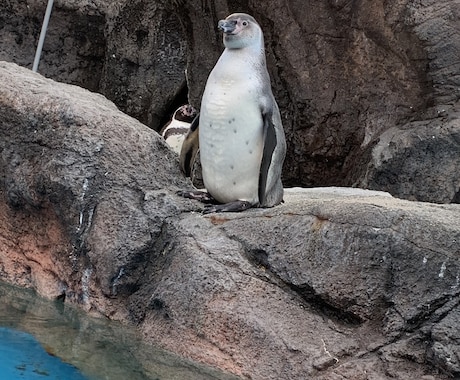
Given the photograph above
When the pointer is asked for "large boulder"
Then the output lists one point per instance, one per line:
(145, 61)
(347, 76)
(62, 153)
(333, 284)
(419, 160)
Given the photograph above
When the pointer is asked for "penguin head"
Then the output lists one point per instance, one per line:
(241, 30)
(185, 113)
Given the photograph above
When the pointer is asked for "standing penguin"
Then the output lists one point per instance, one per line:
(241, 138)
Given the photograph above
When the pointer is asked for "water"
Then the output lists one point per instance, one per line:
(44, 340)
(22, 357)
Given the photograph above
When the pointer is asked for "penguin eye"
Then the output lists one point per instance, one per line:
(245, 23)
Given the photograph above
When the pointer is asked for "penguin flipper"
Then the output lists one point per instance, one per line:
(269, 147)
(190, 147)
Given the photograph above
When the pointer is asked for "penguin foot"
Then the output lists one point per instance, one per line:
(235, 206)
(197, 195)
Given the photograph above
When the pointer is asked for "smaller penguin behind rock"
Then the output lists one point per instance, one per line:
(175, 131)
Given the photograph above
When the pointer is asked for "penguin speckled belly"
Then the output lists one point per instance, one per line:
(241, 138)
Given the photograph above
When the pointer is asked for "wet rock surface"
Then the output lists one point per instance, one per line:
(335, 283)
(368, 91)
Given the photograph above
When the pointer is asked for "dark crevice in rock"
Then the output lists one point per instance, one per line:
(319, 304)
(61, 298)
(156, 261)
(158, 305)
(434, 313)
(129, 277)
(259, 258)
(180, 99)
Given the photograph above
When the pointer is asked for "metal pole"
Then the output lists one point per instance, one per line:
(41, 40)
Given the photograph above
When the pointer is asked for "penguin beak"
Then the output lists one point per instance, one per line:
(227, 26)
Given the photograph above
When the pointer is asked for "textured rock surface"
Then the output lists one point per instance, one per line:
(420, 160)
(145, 61)
(347, 76)
(332, 284)
(75, 42)
(72, 150)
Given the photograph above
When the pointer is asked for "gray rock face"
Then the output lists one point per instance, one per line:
(145, 61)
(354, 80)
(419, 161)
(333, 284)
(75, 43)
(63, 145)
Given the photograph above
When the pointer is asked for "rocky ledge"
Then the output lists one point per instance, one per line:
(335, 283)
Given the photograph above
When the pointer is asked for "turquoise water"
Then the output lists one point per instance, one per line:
(22, 357)
(40, 339)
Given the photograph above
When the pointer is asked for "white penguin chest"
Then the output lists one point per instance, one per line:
(175, 133)
(231, 139)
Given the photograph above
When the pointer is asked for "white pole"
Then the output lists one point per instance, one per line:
(41, 40)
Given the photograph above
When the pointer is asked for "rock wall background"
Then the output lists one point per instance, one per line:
(368, 90)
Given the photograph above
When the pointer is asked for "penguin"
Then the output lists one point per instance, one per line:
(241, 138)
(176, 130)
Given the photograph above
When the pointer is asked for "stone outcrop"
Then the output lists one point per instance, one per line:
(420, 160)
(368, 91)
(333, 284)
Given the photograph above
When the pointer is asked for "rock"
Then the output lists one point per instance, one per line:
(75, 44)
(145, 61)
(445, 337)
(419, 161)
(349, 77)
(59, 165)
(333, 284)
